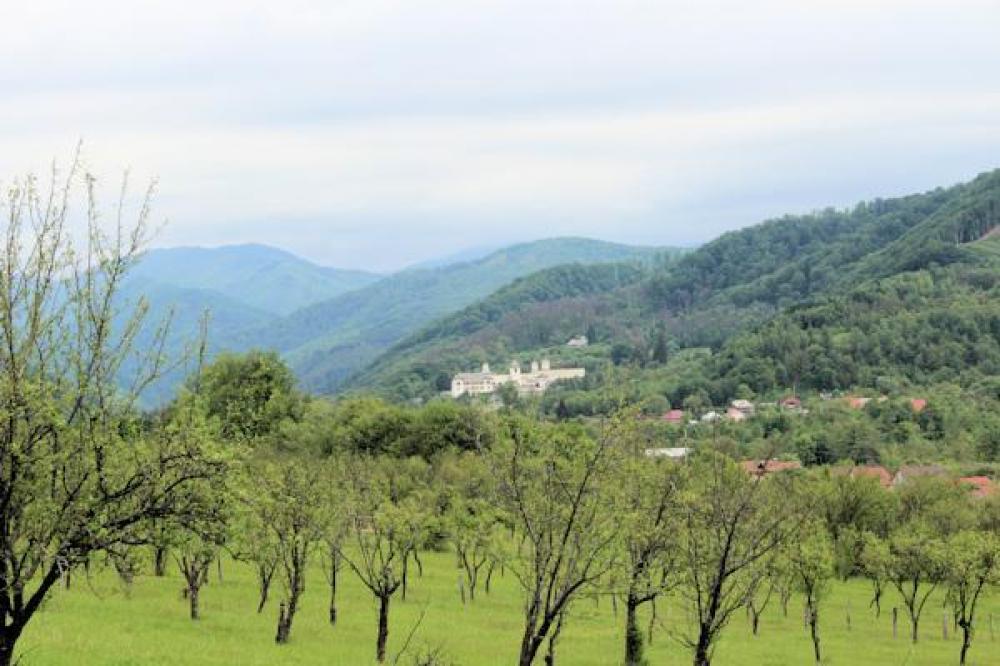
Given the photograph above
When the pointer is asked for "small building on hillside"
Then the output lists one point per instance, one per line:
(908, 472)
(536, 381)
(761, 468)
(675, 416)
(979, 486)
(673, 453)
(578, 341)
(735, 415)
(877, 472)
(918, 404)
(856, 402)
(790, 402)
(744, 406)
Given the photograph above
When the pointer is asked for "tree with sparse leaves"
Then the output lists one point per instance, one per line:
(79, 476)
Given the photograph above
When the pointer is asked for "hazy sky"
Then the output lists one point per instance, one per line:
(374, 134)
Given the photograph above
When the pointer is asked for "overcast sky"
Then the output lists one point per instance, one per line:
(375, 134)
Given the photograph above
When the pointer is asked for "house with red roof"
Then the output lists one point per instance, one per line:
(761, 468)
(918, 404)
(979, 486)
(878, 472)
(674, 416)
(790, 402)
(857, 402)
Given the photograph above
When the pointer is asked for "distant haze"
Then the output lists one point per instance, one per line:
(370, 134)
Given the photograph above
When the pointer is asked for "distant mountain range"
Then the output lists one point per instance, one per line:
(330, 323)
(261, 277)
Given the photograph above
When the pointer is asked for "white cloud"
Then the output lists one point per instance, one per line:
(331, 128)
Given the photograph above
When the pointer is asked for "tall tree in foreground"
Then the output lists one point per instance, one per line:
(383, 539)
(650, 511)
(557, 484)
(286, 500)
(77, 474)
(810, 556)
(472, 519)
(731, 523)
(335, 526)
(973, 563)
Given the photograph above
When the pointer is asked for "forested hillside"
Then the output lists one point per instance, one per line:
(896, 290)
(327, 342)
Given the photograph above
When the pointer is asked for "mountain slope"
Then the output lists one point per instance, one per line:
(520, 315)
(262, 277)
(329, 341)
(740, 285)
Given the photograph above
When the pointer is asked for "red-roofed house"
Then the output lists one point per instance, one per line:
(856, 402)
(734, 414)
(979, 486)
(918, 404)
(873, 472)
(760, 468)
(674, 416)
(790, 402)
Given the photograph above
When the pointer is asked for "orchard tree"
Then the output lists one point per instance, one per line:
(732, 522)
(382, 539)
(650, 512)
(556, 484)
(78, 476)
(914, 566)
(972, 562)
(196, 546)
(286, 501)
(473, 521)
(811, 562)
(335, 525)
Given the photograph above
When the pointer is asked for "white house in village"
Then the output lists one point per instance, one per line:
(537, 380)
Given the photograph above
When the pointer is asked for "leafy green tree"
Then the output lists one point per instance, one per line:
(473, 520)
(285, 500)
(811, 560)
(554, 484)
(79, 477)
(251, 394)
(913, 565)
(382, 537)
(731, 524)
(972, 562)
(649, 513)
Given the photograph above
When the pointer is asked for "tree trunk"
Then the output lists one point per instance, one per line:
(701, 651)
(264, 580)
(333, 589)
(406, 568)
(8, 641)
(633, 637)
(966, 640)
(814, 631)
(914, 627)
(193, 600)
(160, 562)
(281, 636)
(383, 627)
(529, 644)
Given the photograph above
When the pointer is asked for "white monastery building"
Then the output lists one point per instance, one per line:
(536, 381)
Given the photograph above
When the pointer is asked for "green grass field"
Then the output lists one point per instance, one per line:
(97, 623)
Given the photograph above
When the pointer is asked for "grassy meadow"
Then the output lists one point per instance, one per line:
(97, 622)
